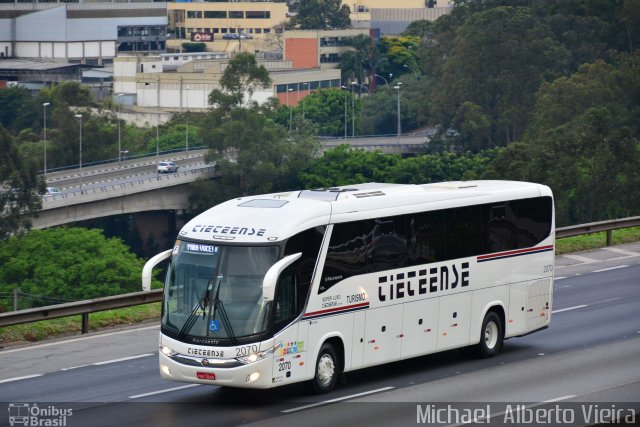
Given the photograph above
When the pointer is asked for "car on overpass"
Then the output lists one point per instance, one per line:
(167, 167)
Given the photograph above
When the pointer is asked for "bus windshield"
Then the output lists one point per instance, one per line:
(216, 291)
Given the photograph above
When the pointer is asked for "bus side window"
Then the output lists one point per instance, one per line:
(534, 220)
(287, 299)
(463, 229)
(501, 228)
(308, 242)
(426, 238)
(347, 253)
(387, 244)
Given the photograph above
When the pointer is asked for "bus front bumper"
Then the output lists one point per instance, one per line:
(252, 375)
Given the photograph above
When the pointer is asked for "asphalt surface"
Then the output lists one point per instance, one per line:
(588, 358)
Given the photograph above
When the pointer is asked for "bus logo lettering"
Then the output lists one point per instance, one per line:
(438, 279)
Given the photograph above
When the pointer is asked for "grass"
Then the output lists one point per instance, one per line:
(43, 329)
(38, 331)
(596, 240)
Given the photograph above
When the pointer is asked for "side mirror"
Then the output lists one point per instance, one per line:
(148, 268)
(271, 278)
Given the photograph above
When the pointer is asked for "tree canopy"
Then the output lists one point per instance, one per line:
(321, 15)
(20, 187)
(67, 264)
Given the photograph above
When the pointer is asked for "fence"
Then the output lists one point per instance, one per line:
(84, 308)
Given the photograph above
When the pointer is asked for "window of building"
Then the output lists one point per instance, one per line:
(223, 30)
(215, 30)
(236, 14)
(258, 14)
(215, 14)
(258, 30)
(194, 14)
(266, 30)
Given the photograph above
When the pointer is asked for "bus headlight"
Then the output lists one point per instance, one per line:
(167, 351)
(254, 357)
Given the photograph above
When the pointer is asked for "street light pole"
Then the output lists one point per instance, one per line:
(158, 130)
(345, 113)
(397, 87)
(385, 80)
(119, 96)
(303, 85)
(353, 111)
(415, 73)
(289, 89)
(186, 118)
(44, 116)
(79, 116)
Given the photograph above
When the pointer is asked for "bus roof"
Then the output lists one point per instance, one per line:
(273, 217)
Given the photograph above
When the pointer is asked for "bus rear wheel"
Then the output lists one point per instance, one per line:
(491, 336)
(327, 370)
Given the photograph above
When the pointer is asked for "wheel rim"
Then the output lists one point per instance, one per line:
(326, 369)
(491, 335)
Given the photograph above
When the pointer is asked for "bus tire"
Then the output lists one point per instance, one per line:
(491, 336)
(326, 371)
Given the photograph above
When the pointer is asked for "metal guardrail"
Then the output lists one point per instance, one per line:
(596, 227)
(138, 298)
(80, 307)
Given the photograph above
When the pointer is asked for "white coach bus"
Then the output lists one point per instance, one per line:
(274, 289)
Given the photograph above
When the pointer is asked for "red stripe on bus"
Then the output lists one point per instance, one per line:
(516, 252)
(330, 310)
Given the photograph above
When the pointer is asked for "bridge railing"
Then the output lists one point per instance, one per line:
(84, 308)
(84, 195)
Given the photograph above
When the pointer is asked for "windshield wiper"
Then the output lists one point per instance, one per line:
(202, 303)
(223, 313)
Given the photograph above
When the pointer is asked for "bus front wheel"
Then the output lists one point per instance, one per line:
(491, 336)
(327, 370)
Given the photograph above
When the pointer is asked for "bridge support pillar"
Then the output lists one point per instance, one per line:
(157, 230)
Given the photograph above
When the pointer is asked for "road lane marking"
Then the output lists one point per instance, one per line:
(338, 399)
(622, 251)
(20, 378)
(609, 269)
(582, 259)
(569, 308)
(168, 390)
(560, 278)
(33, 347)
(122, 359)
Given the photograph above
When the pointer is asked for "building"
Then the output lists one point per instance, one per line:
(147, 86)
(228, 26)
(317, 48)
(393, 17)
(88, 33)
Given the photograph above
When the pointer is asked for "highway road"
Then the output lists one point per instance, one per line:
(113, 173)
(589, 356)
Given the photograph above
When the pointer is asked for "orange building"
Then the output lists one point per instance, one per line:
(318, 48)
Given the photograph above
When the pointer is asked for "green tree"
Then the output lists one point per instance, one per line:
(19, 110)
(402, 54)
(327, 110)
(362, 63)
(61, 264)
(252, 153)
(19, 188)
(69, 92)
(345, 165)
(241, 78)
(584, 142)
(497, 83)
(321, 15)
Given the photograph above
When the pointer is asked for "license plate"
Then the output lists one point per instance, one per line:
(206, 376)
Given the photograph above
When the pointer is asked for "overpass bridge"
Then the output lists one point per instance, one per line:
(133, 186)
(113, 189)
